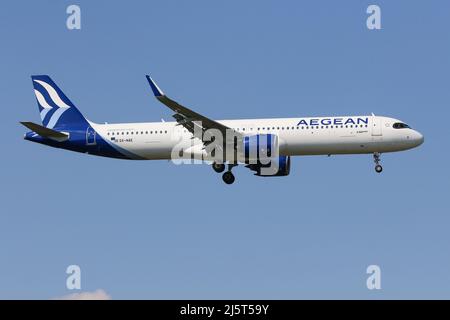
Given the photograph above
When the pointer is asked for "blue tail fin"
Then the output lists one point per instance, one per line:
(57, 111)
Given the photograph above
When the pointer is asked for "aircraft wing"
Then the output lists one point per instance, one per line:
(191, 119)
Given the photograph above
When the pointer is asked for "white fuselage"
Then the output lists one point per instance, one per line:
(297, 136)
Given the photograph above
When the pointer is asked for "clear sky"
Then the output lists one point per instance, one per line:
(150, 229)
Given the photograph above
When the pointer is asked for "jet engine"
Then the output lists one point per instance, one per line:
(260, 147)
(276, 167)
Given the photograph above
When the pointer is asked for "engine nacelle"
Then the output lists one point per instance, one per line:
(260, 147)
(279, 166)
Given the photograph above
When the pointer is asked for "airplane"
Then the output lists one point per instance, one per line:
(247, 141)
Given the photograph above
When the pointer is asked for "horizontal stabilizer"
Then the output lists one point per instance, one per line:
(46, 132)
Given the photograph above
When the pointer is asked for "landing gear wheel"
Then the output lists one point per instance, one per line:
(378, 168)
(218, 167)
(228, 177)
(376, 159)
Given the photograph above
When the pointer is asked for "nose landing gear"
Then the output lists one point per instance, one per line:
(376, 159)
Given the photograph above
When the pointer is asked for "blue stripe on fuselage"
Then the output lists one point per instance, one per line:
(77, 143)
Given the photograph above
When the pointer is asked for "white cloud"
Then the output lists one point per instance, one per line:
(98, 294)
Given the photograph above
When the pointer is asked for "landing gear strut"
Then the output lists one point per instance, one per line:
(376, 159)
(228, 176)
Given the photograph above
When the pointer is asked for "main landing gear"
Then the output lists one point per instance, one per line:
(376, 159)
(218, 167)
(228, 176)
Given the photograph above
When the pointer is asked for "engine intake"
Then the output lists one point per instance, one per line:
(261, 147)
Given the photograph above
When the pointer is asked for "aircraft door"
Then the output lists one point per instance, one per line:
(90, 136)
(376, 126)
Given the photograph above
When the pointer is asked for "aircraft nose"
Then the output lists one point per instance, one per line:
(418, 138)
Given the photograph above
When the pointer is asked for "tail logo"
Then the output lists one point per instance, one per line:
(51, 103)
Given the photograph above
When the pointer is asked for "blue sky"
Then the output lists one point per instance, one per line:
(151, 230)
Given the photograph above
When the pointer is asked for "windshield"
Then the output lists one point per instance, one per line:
(399, 125)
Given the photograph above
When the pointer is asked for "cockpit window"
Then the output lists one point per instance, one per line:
(399, 125)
